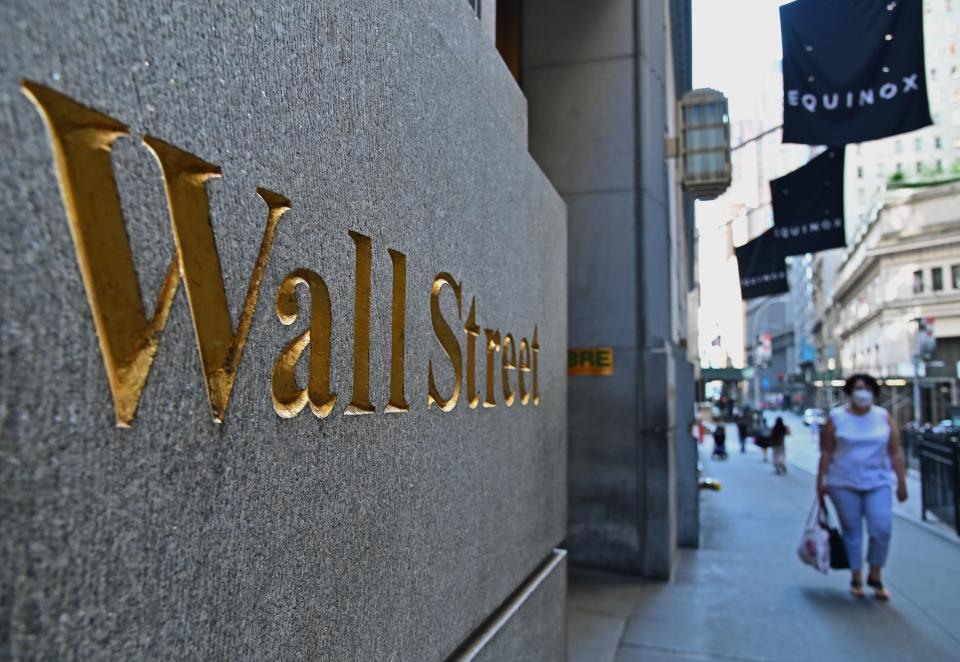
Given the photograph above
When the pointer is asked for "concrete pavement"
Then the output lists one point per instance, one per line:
(745, 596)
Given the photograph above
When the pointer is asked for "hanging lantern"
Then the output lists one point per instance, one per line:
(705, 143)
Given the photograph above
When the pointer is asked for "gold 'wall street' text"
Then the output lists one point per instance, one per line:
(82, 139)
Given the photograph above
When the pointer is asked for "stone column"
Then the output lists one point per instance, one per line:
(595, 78)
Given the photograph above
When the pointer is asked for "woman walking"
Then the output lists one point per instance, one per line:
(778, 440)
(859, 455)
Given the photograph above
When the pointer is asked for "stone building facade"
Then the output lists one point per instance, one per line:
(334, 202)
(288, 292)
(602, 80)
(904, 264)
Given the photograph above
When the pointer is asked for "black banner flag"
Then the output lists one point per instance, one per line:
(808, 205)
(853, 70)
(762, 267)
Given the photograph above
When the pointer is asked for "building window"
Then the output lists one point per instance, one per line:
(938, 167)
(919, 167)
(955, 276)
(508, 32)
(938, 142)
(918, 144)
(936, 278)
(897, 146)
(859, 172)
(918, 282)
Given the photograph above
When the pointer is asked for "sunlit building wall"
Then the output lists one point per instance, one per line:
(929, 153)
(904, 265)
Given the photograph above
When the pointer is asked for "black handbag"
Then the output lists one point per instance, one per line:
(838, 550)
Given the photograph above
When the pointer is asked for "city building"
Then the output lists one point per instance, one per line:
(826, 371)
(926, 154)
(602, 82)
(903, 265)
(736, 217)
(798, 381)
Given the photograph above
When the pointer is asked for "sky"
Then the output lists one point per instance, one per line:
(734, 43)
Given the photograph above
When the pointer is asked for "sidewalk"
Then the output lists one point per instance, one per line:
(745, 596)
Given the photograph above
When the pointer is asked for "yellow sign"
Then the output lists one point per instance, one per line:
(596, 361)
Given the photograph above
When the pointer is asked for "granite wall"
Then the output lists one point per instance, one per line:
(379, 536)
(598, 77)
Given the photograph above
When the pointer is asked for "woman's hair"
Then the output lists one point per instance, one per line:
(779, 426)
(869, 381)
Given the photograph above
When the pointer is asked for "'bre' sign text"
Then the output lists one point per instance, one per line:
(82, 139)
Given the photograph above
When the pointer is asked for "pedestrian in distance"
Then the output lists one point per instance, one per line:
(778, 441)
(742, 422)
(860, 454)
(762, 436)
(719, 442)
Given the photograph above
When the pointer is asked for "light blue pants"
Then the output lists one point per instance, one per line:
(853, 506)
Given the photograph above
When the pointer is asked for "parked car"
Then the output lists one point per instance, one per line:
(945, 426)
(811, 416)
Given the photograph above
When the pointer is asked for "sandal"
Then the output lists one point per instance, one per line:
(856, 588)
(880, 593)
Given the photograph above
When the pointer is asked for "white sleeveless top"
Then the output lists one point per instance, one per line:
(861, 459)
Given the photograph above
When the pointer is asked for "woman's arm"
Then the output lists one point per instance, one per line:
(895, 450)
(828, 443)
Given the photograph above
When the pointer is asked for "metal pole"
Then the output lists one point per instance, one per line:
(756, 137)
(762, 308)
(756, 382)
(756, 364)
(916, 389)
(893, 402)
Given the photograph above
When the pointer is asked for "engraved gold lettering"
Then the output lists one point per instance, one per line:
(81, 139)
(535, 346)
(360, 404)
(220, 349)
(473, 332)
(398, 402)
(288, 398)
(447, 340)
(493, 345)
(509, 363)
(524, 353)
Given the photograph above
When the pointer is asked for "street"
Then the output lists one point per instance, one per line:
(744, 595)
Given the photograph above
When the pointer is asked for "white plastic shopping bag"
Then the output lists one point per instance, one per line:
(814, 549)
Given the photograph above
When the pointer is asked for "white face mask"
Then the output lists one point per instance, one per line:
(862, 397)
